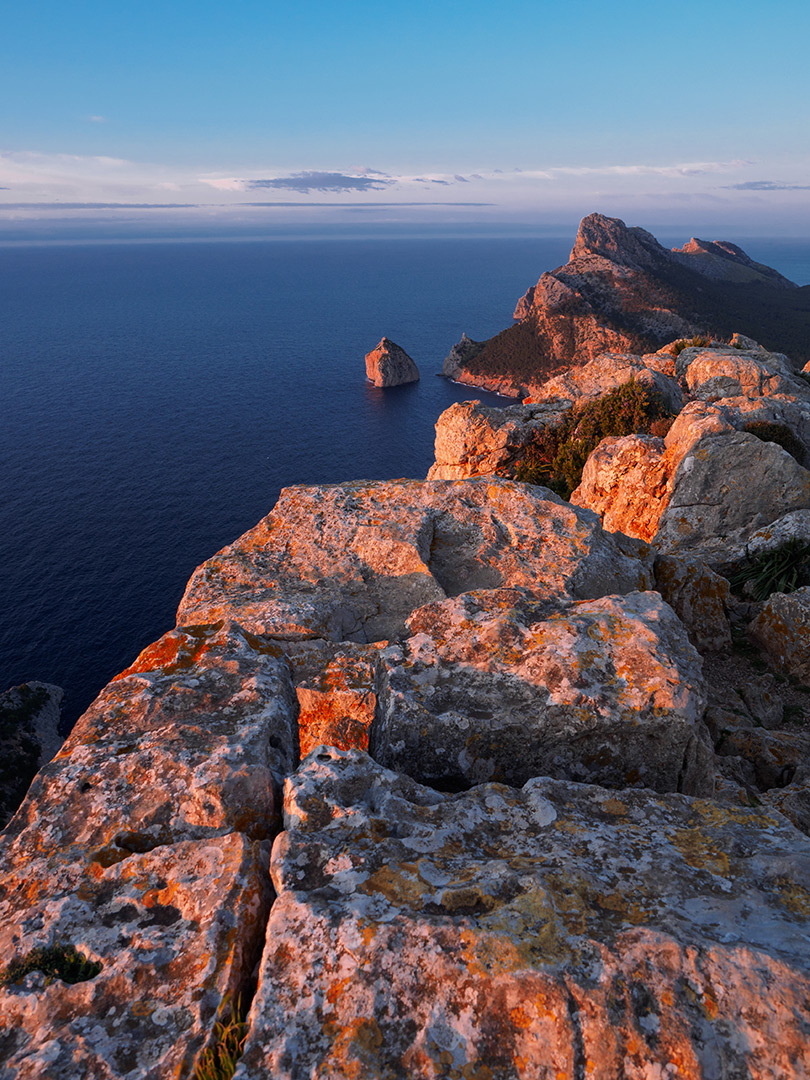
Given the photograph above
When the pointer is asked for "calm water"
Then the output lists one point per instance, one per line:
(155, 398)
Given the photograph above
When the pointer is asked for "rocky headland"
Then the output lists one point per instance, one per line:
(621, 291)
(458, 777)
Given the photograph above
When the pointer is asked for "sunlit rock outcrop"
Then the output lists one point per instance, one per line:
(494, 686)
(352, 561)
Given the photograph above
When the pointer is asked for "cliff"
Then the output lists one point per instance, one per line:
(29, 729)
(453, 777)
(622, 291)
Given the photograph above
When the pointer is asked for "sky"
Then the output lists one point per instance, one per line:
(137, 118)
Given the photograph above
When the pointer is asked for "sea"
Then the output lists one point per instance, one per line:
(156, 397)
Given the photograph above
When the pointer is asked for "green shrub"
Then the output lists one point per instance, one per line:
(780, 434)
(784, 570)
(60, 961)
(556, 456)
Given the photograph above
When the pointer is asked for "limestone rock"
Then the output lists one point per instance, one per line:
(495, 686)
(700, 599)
(389, 365)
(606, 373)
(337, 689)
(782, 631)
(461, 352)
(352, 561)
(176, 930)
(29, 730)
(725, 489)
(521, 933)
(791, 528)
(477, 440)
(142, 845)
(713, 374)
(704, 493)
(626, 482)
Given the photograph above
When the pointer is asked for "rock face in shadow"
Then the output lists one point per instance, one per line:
(621, 291)
(29, 733)
(495, 686)
(389, 365)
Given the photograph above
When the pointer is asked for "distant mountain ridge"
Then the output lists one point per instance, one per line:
(623, 291)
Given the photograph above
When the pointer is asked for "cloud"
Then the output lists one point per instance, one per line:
(225, 183)
(766, 185)
(97, 119)
(689, 168)
(304, 182)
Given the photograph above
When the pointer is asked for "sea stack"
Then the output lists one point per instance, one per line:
(390, 365)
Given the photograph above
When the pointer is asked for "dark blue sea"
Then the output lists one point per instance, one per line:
(154, 399)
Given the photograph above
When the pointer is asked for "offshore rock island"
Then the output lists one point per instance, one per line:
(465, 777)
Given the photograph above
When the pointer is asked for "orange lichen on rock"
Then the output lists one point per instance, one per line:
(671, 975)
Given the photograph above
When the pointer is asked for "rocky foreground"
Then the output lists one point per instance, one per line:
(447, 778)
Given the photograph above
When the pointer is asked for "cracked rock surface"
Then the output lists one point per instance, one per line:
(553, 930)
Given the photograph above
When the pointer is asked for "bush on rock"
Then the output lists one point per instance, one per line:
(557, 455)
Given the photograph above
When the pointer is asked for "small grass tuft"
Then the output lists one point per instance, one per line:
(784, 570)
(60, 961)
(220, 1060)
(696, 342)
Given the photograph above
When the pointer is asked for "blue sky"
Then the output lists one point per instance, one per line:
(187, 115)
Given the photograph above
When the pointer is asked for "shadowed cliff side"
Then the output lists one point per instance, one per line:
(622, 291)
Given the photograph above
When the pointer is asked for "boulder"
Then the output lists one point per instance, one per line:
(389, 365)
(703, 493)
(712, 374)
(792, 528)
(699, 597)
(477, 440)
(626, 481)
(526, 932)
(337, 689)
(725, 489)
(782, 631)
(352, 561)
(606, 373)
(176, 931)
(494, 685)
